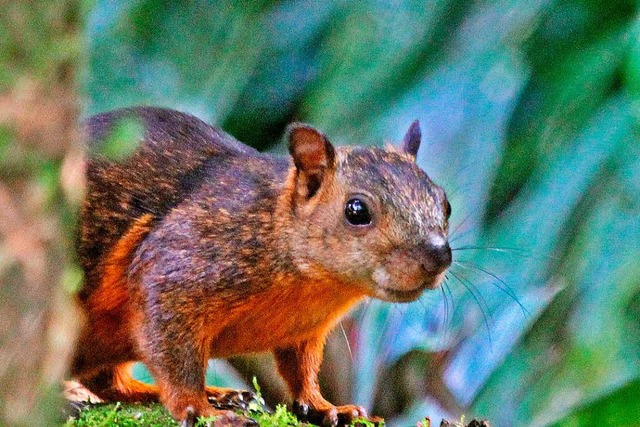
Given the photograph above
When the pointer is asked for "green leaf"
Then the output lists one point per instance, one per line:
(617, 408)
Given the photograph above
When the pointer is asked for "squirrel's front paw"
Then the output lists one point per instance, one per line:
(332, 415)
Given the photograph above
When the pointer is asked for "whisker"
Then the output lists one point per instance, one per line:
(473, 288)
(396, 326)
(507, 289)
(468, 286)
(455, 230)
(382, 342)
(459, 189)
(365, 307)
(362, 315)
(425, 311)
(449, 292)
(488, 248)
(443, 336)
(451, 313)
(346, 339)
(462, 235)
(513, 251)
(452, 308)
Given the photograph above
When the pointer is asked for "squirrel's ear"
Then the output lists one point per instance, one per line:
(411, 140)
(312, 155)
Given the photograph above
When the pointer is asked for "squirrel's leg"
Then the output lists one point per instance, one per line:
(299, 366)
(115, 384)
(178, 363)
(102, 362)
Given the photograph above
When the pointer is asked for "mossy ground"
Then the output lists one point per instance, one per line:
(122, 415)
(155, 415)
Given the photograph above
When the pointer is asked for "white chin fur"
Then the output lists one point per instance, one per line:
(381, 277)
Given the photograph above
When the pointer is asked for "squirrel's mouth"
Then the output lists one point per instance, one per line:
(402, 295)
(397, 295)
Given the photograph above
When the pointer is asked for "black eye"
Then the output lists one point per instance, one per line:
(357, 212)
(447, 209)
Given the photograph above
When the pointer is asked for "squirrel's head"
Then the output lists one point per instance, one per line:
(368, 216)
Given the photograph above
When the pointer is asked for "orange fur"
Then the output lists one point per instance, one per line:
(112, 293)
(106, 339)
(282, 315)
(126, 389)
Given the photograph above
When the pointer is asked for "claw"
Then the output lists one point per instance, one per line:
(330, 418)
(190, 418)
(300, 409)
(73, 409)
(346, 417)
(248, 396)
(333, 416)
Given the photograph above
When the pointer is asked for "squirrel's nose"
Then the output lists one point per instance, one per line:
(437, 256)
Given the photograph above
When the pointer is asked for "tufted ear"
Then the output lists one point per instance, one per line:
(411, 140)
(313, 155)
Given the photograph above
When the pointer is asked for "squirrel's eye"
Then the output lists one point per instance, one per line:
(447, 209)
(357, 212)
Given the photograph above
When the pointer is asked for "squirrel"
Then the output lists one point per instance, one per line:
(197, 246)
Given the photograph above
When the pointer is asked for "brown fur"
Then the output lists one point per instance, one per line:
(197, 246)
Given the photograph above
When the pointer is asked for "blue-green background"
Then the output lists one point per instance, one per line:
(530, 114)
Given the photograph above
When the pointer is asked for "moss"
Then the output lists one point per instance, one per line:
(155, 415)
(121, 415)
(281, 417)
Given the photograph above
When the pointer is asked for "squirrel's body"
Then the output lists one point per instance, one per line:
(198, 246)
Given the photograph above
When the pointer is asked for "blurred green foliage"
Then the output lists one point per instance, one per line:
(613, 409)
(40, 50)
(530, 114)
